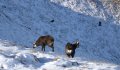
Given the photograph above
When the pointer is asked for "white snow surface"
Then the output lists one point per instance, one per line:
(13, 57)
(23, 21)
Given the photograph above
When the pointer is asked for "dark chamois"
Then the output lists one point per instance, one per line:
(70, 49)
(43, 41)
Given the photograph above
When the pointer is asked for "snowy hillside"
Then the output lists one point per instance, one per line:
(23, 21)
(13, 57)
(104, 9)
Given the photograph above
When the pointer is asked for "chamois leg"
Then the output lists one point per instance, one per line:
(52, 49)
(68, 55)
(72, 55)
(43, 47)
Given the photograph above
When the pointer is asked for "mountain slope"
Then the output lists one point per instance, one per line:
(22, 22)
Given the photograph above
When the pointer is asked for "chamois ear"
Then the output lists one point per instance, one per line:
(77, 42)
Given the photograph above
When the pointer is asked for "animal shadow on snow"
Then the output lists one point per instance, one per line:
(40, 61)
(71, 64)
(44, 60)
(31, 60)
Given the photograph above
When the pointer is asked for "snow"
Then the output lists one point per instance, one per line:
(23, 21)
(29, 59)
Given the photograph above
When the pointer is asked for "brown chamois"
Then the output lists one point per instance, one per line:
(43, 41)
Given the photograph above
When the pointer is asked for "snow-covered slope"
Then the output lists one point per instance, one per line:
(104, 9)
(13, 57)
(23, 21)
